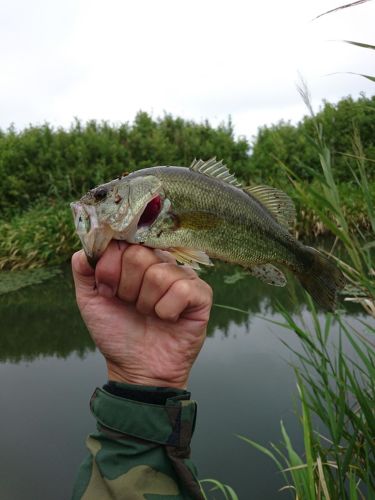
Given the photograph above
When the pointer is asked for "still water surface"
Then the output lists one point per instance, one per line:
(49, 368)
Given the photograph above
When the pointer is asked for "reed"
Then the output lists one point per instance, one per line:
(335, 377)
(326, 202)
(226, 491)
(337, 393)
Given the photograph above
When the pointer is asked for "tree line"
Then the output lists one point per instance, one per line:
(44, 162)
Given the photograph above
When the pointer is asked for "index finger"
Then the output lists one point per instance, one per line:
(108, 268)
(83, 273)
(135, 261)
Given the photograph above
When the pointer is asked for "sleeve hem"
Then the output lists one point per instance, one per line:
(171, 424)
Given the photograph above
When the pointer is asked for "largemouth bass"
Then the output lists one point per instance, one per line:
(203, 212)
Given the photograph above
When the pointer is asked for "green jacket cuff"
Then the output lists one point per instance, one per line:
(169, 424)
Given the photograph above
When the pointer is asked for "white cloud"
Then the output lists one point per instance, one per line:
(199, 59)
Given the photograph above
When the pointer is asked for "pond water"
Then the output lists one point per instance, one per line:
(242, 381)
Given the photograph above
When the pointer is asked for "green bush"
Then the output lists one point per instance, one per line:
(295, 147)
(42, 235)
(41, 162)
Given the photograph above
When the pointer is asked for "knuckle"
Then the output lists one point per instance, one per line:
(157, 274)
(183, 287)
(136, 256)
(165, 313)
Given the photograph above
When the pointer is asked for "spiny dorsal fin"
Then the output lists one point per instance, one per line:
(216, 169)
(276, 201)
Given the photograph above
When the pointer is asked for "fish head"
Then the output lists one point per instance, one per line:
(115, 210)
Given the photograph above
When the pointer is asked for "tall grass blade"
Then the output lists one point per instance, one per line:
(353, 486)
(359, 44)
(263, 449)
(322, 479)
(369, 77)
(307, 432)
(227, 491)
(352, 4)
(230, 308)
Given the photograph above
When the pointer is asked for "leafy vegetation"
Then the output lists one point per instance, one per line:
(43, 163)
(335, 379)
(41, 235)
(294, 145)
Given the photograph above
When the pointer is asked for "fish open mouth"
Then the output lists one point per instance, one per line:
(151, 212)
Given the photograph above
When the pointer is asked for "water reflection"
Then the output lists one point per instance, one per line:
(241, 380)
(43, 320)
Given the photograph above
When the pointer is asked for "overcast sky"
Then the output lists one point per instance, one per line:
(196, 59)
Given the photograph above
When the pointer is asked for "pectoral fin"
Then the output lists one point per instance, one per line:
(269, 274)
(191, 257)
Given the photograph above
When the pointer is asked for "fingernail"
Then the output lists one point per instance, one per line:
(105, 291)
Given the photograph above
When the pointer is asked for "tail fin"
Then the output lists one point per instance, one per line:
(321, 278)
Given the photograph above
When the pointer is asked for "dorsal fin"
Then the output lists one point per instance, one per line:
(216, 169)
(277, 202)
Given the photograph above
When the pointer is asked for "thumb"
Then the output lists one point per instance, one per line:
(84, 276)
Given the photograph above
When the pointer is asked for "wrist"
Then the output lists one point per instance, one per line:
(117, 375)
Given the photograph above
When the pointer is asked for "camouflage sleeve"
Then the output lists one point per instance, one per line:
(142, 447)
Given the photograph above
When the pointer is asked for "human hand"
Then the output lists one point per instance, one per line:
(148, 317)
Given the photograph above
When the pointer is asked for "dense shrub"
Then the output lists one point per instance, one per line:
(39, 236)
(293, 145)
(42, 162)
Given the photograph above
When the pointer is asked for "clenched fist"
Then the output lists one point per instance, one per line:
(146, 315)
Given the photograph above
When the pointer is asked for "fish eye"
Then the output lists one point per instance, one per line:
(100, 194)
